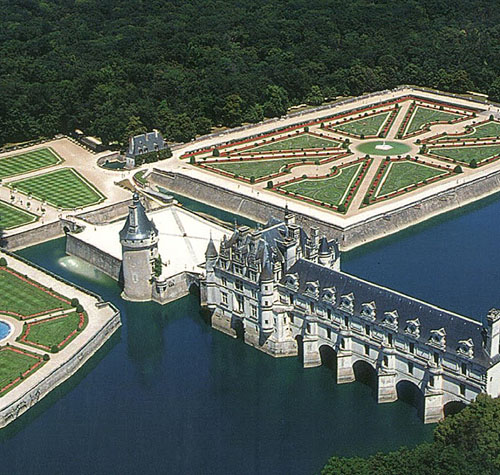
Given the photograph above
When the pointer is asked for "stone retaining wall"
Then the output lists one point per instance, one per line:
(46, 232)
(349, 237)
(106, 213)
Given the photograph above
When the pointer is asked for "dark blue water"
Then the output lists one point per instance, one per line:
(170, 395)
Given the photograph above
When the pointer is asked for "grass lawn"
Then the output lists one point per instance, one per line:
(296, 143)
(331, 190)
(13, 363)
(365, 126)
(25, 297)
(402, 174)
(12, 217)
(422, 116)
(467, 154)
(256, 168)
(488, 129)
(27, 162)
(63, 188)
(57, 331)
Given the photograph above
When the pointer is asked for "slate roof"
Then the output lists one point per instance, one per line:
(145, 143)
(137, 225)
(457, 327)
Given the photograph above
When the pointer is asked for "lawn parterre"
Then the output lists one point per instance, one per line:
(334, 190)
(64, 188)
(53, 333)
(422, 116)
(401, 174)
(305, 140)
(23, 298)
(255, 168)
(13, 217)
(478, 153)
(365, 126)
(15, 365)
(27, 162)
(489, 129)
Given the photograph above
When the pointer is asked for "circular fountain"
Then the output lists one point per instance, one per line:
(383, 147)
(5, 330)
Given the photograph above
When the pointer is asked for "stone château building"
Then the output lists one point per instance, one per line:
(283, 290)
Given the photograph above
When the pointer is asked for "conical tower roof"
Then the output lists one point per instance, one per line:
(324, 247)
(211, 251)
(267, 267)
(138, 226)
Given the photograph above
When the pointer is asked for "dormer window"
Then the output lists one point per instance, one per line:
(368, 310)
(292, 281)
(438, 338)
(329, 295)
(391, 319)
(413, 327)
(312, 289)
(347, 303)
(466, 348)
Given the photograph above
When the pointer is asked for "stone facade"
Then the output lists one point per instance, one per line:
(284, 292)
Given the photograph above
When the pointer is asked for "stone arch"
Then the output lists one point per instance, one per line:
(411, 394)
(365, 373)
(453, 407)
(328, 357)
(239, 328)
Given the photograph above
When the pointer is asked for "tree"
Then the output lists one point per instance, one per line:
(277, 101)
(315, 96)
(134, 127)
(232, 112)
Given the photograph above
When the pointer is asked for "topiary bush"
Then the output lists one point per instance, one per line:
(3, 262)
(75, 302)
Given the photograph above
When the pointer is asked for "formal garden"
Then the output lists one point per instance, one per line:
(302, 141)
(483, 130)
(55, 332)
(16, 364)
(24, 298)
(27, 162)
(63, 188)
(370, 126)
(472, 155)
(13, 217)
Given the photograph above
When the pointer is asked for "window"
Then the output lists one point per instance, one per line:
(253, 310)
(224, 298)
(389, 338)
(431, 380)
(329, 313)
(253, 293)
(410, 367)
(253, 275)
(291, 299)
(308, 328)
(238, 269)
(367, 330)
(238, 284)
(462, 389)
(342, 343)
(328, 333)
(240, 303)
(223, 281)
(386, 361)
(436, 358)
(367, 349)
(464, 369)
(311, 306)
(412, 348)
(346, 321)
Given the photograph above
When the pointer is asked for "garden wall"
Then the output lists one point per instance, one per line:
(30, 237)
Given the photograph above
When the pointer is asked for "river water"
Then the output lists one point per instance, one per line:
(170, 395)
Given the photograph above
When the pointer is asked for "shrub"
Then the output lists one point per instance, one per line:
(341, 208)
(322, 125)
(473, 163)
(270, 184)
(458, 169)
(216, 152)
(366, 200)
(46, 357)
(192, 160)
(252, 179)
(3, 262)
(54, 349)
(362, 136)
(316, 162)
(75, 302)
(306, 129)
(304, 176)
(491, 117)
(79, 308)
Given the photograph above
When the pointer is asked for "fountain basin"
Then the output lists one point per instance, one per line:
(383, 147)
(5, 329)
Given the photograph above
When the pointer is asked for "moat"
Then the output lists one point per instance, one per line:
(169, 393)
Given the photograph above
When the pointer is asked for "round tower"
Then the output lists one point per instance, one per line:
(139, 241)
(266, 294)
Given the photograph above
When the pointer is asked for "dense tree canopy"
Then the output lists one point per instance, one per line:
(186, 65)
(467, 443)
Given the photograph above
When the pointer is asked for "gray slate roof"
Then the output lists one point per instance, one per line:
(137, 225)
(145, 143)
(457, 327)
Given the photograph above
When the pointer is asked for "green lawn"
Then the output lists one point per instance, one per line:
(63, 188)
(467, 154)
(296, 143)
(330, 190)
(12, 217)
(256, 168)
(402, 174)
(366, 126)
(422, 116)
(25, 298)
(51, 332)
(12, 364)
(488, 129)
(27, 162)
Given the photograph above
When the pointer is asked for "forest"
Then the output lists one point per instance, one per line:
(116, 67)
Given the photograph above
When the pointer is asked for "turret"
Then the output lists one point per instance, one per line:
(209, 289)
(493, 333)
(139, 241)
(266, 293)
(325, 252)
